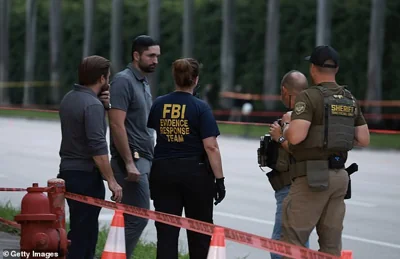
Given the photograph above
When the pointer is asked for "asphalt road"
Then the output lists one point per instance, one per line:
(29, 153)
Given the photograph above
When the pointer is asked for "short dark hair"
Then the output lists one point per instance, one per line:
(142, 43)
(185, 70)
(92, 68)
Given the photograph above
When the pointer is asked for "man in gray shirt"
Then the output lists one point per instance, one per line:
(132, 143)
(84, 153)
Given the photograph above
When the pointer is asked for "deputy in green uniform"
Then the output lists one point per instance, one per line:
(325, 124)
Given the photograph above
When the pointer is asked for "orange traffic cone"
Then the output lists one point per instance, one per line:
(217, 246)
(347, 254)
(115, 244)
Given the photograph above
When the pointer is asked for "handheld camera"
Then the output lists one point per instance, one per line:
(262, 151)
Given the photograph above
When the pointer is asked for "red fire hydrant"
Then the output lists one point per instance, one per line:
(41, 236)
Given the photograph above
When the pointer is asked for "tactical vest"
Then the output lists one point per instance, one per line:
(280, 176)
(283, 166)
(337, 132)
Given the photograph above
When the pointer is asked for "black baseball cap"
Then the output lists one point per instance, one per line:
(321, 54)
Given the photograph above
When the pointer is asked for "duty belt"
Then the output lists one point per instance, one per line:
(300, 168)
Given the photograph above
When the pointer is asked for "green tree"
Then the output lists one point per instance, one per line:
(5, 6)
(187, 28)
(116, 35)
(324, 17)
(271, 59)
(227, 57)
(30, 50)
(55, 49)
(89, 7)
(375, 55)
(153, 23)
(350, 28)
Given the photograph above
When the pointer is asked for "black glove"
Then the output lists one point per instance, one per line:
(352, 168)
(220, 190)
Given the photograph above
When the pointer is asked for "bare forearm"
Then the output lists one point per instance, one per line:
(121, 143)
(214, 157)
(288, 134)
(103, 163)
(358, 144)
(362, 136)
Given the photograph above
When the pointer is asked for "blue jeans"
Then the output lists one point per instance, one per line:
(276, 234)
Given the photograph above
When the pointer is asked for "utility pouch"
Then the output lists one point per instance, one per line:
(318, 175)
(275, 180)
(348, 193)
(336, 162)
(282, 163)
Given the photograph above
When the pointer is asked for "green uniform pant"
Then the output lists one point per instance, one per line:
(304, 209)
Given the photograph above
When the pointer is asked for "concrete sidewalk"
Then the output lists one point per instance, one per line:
(8, 241)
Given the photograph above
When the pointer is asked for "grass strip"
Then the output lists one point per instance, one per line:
(144, 249)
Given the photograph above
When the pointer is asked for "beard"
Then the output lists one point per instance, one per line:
(105, 87)
(147, 69)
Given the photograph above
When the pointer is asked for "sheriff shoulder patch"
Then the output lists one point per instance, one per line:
(299, 108)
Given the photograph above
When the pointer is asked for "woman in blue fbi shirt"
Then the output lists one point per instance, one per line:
(187, 169)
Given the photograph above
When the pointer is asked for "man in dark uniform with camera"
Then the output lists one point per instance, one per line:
(325, 124)
(280, 178)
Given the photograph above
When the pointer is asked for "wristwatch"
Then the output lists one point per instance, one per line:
(109, 107)
(281, 139)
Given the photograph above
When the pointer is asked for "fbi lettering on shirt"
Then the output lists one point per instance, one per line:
(173, 123)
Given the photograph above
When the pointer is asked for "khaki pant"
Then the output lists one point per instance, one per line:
(304, 209)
